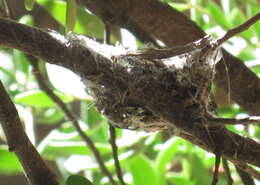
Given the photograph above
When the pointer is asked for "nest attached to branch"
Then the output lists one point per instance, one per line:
(146, 84)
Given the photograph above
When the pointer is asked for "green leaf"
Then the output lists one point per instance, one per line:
(29, 4)
(218, 15)
(167, 154)
(26, 19)
(142, 171)
(179, 180)
(48, 115)
(86, 23)
(193, 167)
(58, 149)
(78, 180)
(179, 6)
(9, 163)
(19, 58)
(170, 148)
(254, 10)
(21, 61)
(38, 98)
(71, 14)
(8, 73)
(56, 8)
(92, 116)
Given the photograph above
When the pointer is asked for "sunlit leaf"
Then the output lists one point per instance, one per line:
(9, 163)
(165, 155)
(217, 14)
(38, 98)
(142, 170)
(86, 23)
(26, 19)
(181, 180)
(78, 180)
(48, 115)
(179, 6)
(19, 58)
(21, 61)
(29, 4)
(59, 149)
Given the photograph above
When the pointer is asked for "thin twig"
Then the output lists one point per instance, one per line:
(215, 175)
(70, 116)
(115, 154)
(232, 32)
(18, 142)
(107, 34)
(175, 51)
(112, 130)
(233, 121)
(6, 9)
(248, 169)
(245, 177)
(199, 44)
(227, 170)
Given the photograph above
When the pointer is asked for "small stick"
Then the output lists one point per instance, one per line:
(227, 170)
(199, 44)
(107, 34)
(238, 29)
(115, 153)
(232, 121)
(34, 167)
(6, 9)
(245, 177)
(175, 51)
(70, 116)
(216, 170)
(248, 169)
(112, 130)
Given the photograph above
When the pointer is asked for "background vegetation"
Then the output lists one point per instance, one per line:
(146, 158)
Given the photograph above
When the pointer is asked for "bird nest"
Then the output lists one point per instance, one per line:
(178, 79)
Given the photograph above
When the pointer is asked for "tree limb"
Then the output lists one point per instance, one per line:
(70, 116)
(34, 167)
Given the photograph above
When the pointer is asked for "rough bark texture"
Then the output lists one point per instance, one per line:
(34, 167)
(158, 20)
(139, 93)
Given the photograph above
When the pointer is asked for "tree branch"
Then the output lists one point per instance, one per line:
(70, 116)
(238, 29)
(233, 121)
(246, 179)
(34, 167)
(112, 140)
(216, 169)
(227, 171)
(126, 95)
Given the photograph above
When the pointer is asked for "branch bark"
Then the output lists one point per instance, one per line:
(34, 167)
(109, 81)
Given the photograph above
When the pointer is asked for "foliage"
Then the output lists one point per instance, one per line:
(154, 159)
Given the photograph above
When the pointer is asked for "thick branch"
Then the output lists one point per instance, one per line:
(112, 83)
(34, 167)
